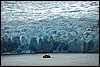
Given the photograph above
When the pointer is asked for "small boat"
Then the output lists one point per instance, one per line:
(46, 56)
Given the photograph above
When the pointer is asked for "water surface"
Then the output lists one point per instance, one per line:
(57, 59)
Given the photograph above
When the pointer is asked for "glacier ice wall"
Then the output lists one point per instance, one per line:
(75, 23)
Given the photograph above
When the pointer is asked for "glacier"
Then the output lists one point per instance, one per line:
(49, 26)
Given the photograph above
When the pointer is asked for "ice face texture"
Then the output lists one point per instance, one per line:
(73, 26)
